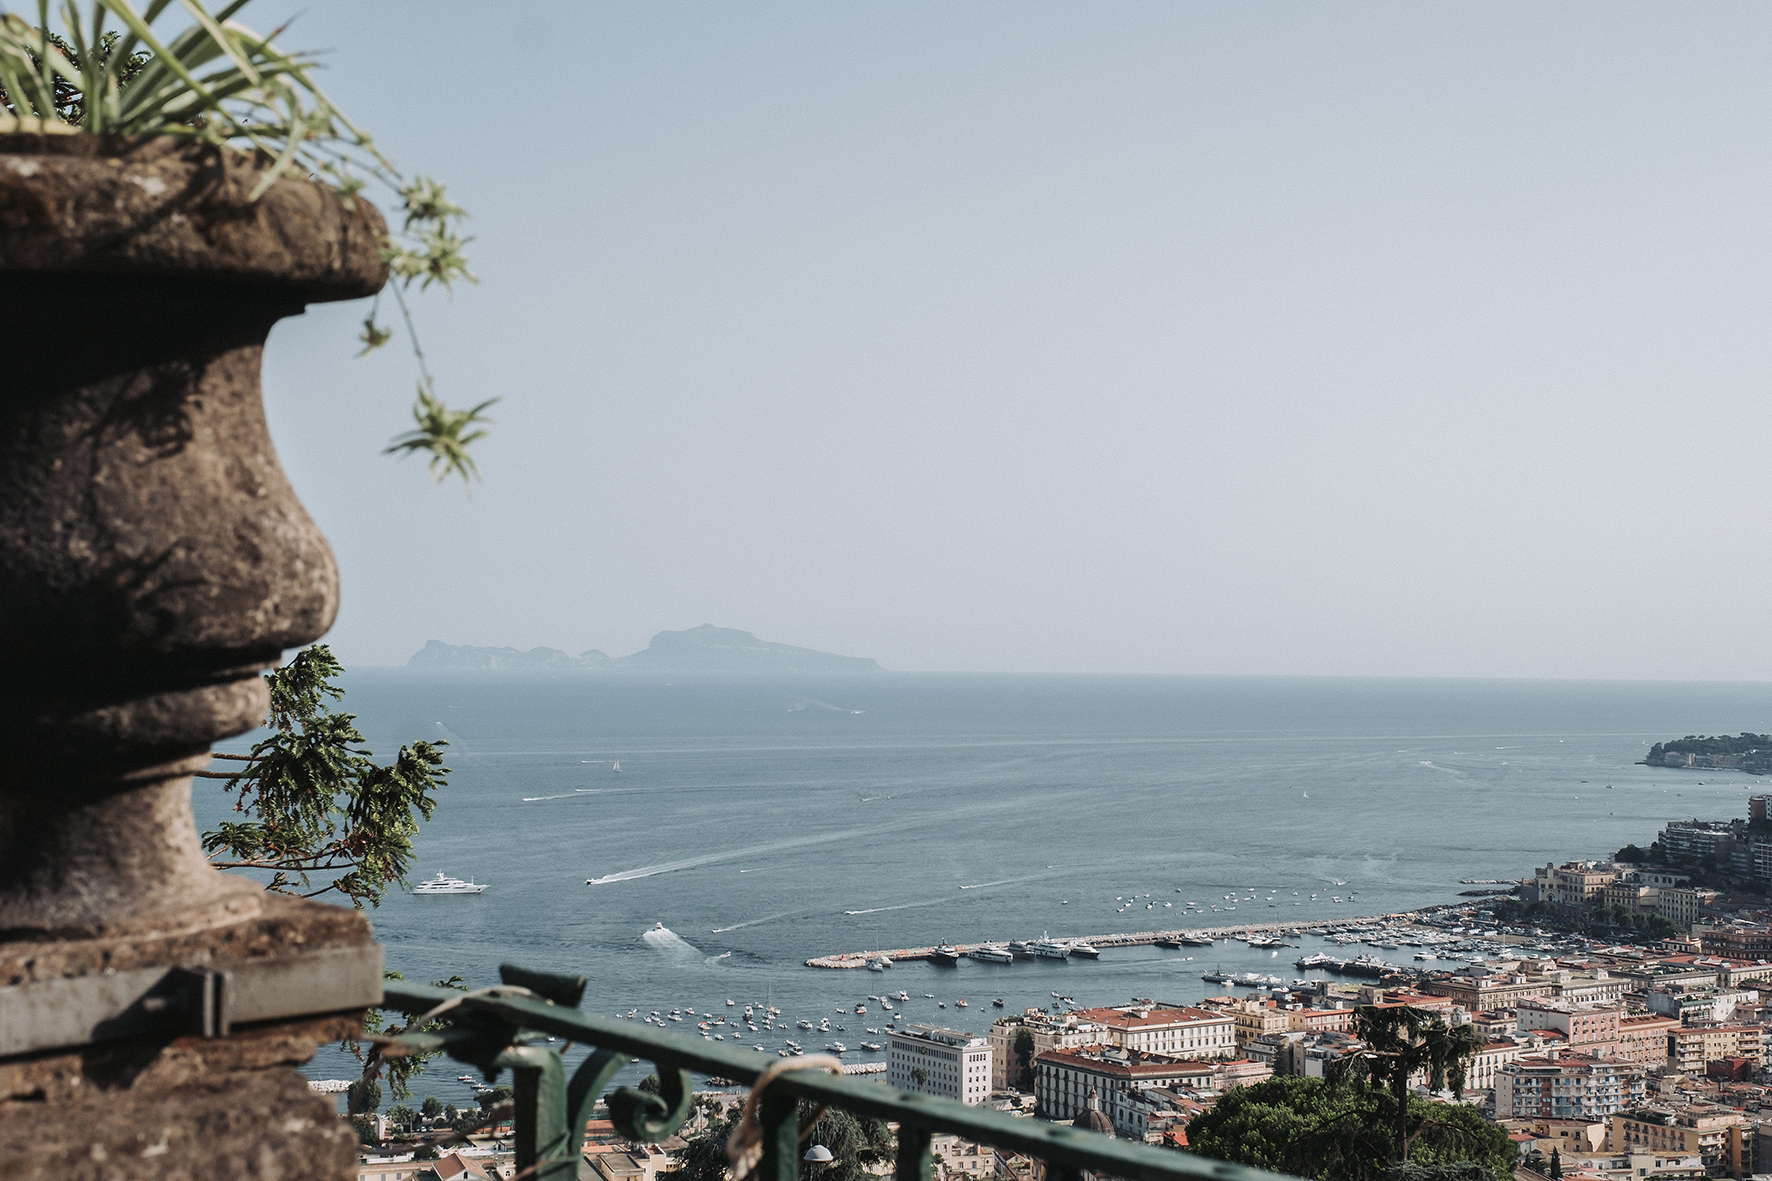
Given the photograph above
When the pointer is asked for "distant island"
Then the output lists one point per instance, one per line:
(700, 649)
(1742, 752)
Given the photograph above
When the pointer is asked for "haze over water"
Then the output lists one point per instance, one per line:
(765, 820)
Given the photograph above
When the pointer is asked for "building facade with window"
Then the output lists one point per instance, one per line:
(936, 1061)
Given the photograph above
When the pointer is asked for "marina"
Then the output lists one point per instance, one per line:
(1086, 946)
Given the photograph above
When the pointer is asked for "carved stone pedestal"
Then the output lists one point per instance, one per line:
(170, 1104)
(153, 562)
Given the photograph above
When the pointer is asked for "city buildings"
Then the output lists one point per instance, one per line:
(1065, 1080)
(937, 1061)
(1566, 1086)
(1177, 1030)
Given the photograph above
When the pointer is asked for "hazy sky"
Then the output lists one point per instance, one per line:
(1244, 338)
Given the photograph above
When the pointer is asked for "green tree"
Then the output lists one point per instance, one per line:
(402, 1117)
(426, 1152)
(363, 1097)
(1556, 1164)
(1331, 1131)
(432, 1107)
(364, 1126)
(1399, 1042)
(857, 1144)
(317, 805)
(703, 1157)
(1024, 1055)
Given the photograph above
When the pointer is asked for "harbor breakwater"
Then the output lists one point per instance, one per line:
(859, 959)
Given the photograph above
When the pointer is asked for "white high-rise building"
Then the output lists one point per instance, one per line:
(937, 1061)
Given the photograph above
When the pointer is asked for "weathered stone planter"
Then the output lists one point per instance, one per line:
(153, 561)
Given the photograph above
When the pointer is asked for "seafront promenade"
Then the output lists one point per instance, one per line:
(859, 959)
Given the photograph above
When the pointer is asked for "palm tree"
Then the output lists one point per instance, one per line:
(1401, 1041)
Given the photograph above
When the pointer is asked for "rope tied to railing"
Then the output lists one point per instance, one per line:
(744, 1148)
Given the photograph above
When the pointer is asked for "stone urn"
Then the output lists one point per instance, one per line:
(153, 562)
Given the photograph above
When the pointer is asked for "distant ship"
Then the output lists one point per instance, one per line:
(991, 955)
(945, 956)
(446, 885)
(1085, 950)
(617, 766)
(1047, 948)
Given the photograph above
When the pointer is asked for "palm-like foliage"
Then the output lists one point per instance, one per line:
(1400, 1042)
(107, 70)
(445, 434)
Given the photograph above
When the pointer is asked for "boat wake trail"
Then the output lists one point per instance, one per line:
(768, 918)
(533, 799)
(905, 825)
(807, 703)
(667, 940)
(900, 906)
(1004, 882)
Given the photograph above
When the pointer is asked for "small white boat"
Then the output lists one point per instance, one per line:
(446, 885)
(617, 766)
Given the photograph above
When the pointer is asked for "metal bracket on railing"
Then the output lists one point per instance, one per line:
(205, 1001)
(549, 1111)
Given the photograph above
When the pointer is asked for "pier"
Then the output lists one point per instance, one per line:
(859, 959)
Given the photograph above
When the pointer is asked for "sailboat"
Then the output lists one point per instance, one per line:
(617, 766)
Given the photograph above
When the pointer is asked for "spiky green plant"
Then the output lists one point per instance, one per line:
(106, 70)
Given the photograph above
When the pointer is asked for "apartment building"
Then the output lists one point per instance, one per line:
(1180, 1031)
(1642, 1038)
(1721, 1139)
(1476, 990)
(1480, 1072)
(1574, 883)
(1064, 1080)
(937, 1061)
(1255, 1017)
(1566, 1087)
(1587, 1028)
(1690, 1047)
(1047, 1031)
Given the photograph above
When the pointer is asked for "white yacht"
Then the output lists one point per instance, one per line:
(991, 955)
(446, 885)
(1047, 948)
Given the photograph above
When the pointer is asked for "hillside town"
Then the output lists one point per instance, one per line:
(1644, 1055)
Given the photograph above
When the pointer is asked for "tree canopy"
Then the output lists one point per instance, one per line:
(858, 1145)
(1312, 1127)
(314, 803)
(1721, 744)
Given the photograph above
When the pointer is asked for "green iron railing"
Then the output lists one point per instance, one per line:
(493, 1032)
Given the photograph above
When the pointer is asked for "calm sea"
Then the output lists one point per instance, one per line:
(764, 820)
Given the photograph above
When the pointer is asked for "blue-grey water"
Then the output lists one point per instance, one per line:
(764, 820)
